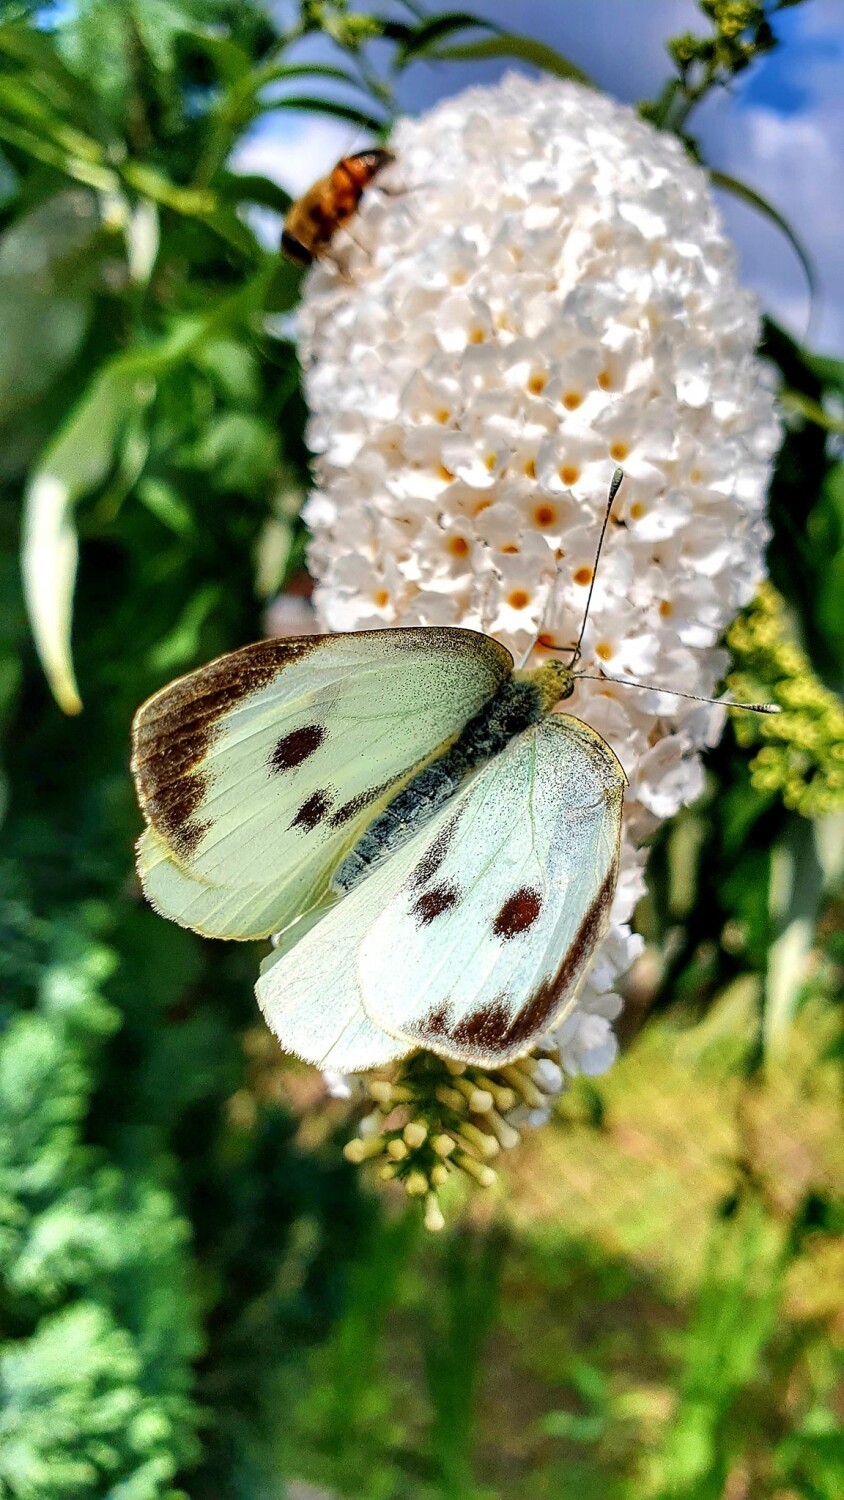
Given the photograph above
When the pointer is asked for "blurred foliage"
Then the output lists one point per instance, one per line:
(804, 757)
(741, 32)
(196, 1296)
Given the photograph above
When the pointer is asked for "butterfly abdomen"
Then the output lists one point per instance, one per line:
(518, 703)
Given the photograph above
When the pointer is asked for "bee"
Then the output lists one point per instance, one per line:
(314, 219)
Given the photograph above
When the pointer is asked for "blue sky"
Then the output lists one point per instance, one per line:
(780, 128)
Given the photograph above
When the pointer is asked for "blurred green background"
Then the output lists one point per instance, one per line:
(199, 1296)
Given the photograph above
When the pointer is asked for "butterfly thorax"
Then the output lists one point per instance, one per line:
(523, 699)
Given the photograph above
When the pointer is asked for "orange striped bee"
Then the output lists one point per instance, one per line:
(314, 219)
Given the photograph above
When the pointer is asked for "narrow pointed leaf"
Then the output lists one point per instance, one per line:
(796, 401)
(307, 70)
(77, 461)
(335, 108)
(509, 44)
(439, 27)
(755, 200)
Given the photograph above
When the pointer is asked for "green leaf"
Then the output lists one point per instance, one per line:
(795, 895)
(232, 64)
(37, 56)
(92, 174)
(423, 38)
(575, 1427)
(181, 647)
(167, 506)
(193, 203)
(77, 461)
(755, 200)
(336, 109)
(812, 410)
(527, 49)
(253, 187)
(49, 267)
(153, 183)
(278, 74)
(827, 369)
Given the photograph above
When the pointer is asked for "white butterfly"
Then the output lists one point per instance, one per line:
(452, 895)
(438, 850)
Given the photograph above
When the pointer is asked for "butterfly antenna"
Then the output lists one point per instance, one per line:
(753, 708)
(615, 485)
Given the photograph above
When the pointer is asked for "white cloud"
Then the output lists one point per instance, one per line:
(796, 162)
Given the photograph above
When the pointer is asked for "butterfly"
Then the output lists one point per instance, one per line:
(434, 851)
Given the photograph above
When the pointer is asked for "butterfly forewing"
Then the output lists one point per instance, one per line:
(473, 939)
(257, 772)
(222, 911)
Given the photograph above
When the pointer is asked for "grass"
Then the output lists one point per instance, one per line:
(647, 1314)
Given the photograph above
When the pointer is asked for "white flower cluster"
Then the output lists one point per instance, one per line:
(546, 293)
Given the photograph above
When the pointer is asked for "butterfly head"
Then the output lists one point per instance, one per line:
(554, 680)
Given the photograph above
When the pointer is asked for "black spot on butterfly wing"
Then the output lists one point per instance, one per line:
(359, 803)
(486, 1028)
(173, 732)
(435, 855)
(312, 811)
(518, 913)
(434, 903)
(492, 1030)
(296, 747)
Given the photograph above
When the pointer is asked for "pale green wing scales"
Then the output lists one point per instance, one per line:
(258, 771)
(247, 910)
(473, 939)
(308, 988)
(494, 931)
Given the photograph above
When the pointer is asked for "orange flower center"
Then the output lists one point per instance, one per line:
(545, 515)
(518, 599)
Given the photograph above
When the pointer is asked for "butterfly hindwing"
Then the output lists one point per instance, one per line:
(258, 771)
(494, 941)
(473, 939)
